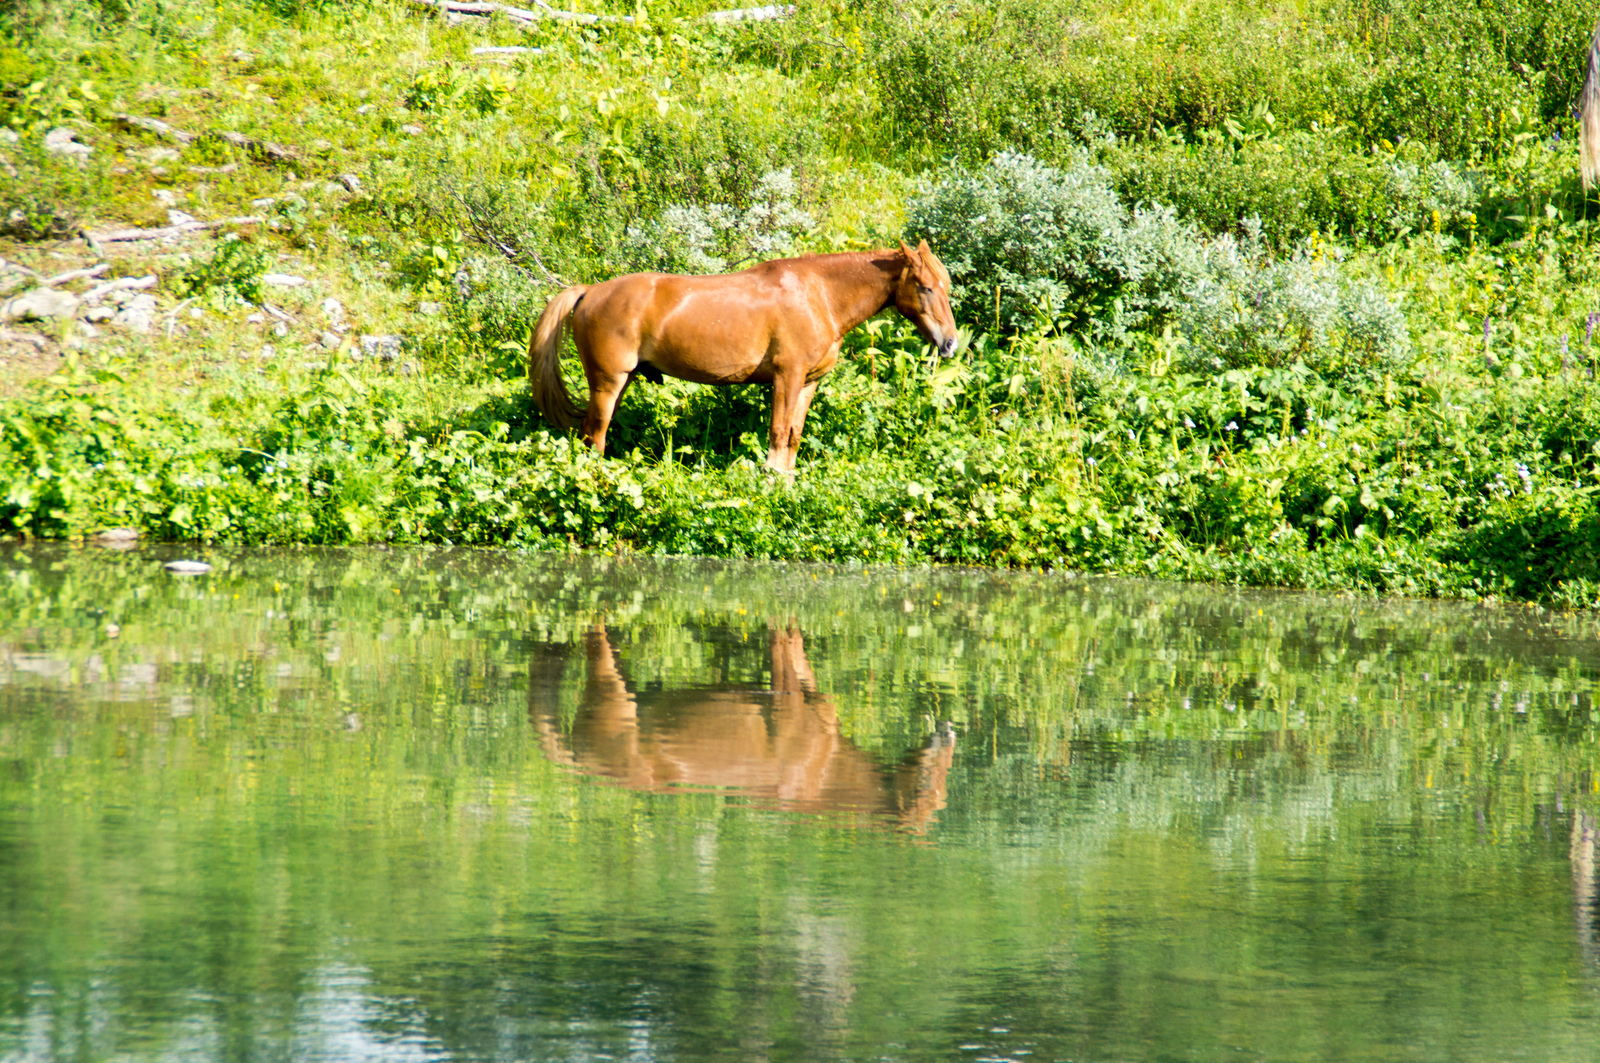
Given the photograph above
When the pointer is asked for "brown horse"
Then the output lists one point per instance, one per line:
(778, 323)
(777, 745)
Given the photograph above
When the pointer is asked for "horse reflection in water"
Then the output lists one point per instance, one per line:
(777, 746)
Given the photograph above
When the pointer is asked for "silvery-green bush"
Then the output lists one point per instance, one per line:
(715, 238)
(1025, 241)
(1251, 309)
(1418, 192)
(1022, 239)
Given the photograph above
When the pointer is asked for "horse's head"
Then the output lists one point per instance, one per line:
(923, 296)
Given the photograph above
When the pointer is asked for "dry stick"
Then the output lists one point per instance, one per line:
(77, 274)
(38, 341)
(156, 126)
(119, 285)
(126, 235)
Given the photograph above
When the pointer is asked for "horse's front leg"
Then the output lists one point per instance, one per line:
(791, 399)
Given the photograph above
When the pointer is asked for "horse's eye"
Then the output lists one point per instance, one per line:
(924, 289)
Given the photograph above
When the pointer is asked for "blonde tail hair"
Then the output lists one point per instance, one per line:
(1589, 117)
(544, 361)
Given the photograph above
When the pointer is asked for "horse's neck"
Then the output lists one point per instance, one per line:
(861, 284)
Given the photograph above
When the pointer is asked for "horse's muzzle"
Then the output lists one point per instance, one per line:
(948, 347)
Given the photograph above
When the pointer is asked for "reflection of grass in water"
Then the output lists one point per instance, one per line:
(355, 775)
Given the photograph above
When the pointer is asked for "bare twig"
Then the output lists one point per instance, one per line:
(156, 126)
(126, 235)
(77, 274)
(135, 283)
(751, 14)
(38, 341)
(275, 152)
(279, 314)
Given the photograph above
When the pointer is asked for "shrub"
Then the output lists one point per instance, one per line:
(688, 238)
(1296, 184)
(1021, 238)
(1252, 310)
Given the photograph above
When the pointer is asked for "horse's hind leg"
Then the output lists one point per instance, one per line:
(605, 392)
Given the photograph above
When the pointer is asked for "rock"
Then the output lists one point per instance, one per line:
(350, 181)
(257, 319)
(113, 630)
(187, 568)
(329, 340)
(100, 313)
(283, 280)
(141, 301)
(429, 308)
(280, 329)
(165, 196)
(88, 331)
(365, 108)
(196, 312)
(268, 351)
(40, 304)
(409, 368)
(117, 535)
(239, 55)
(62, 142)
(384, 347)
(263, 203)
(158, 171)
(135, 320)
(159, 154)
(411, 130)
(178, 217)
(333, 310)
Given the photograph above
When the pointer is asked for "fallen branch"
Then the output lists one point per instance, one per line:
(751, 14)
(38, 341)
(18, 266)
(119, 236)
(155, 125)
(275, 152)
(135, 283)
(520, 14)
(77, 274)
(279, 314)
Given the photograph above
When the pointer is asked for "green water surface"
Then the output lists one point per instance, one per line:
(329, 805)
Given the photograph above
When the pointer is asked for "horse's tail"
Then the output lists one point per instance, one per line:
(1589, 117)
(544, 361)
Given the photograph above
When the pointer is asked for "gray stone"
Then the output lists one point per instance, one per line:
(257, 319)
(40, 304)
(100, 313)
(135, 320)
(283, 280)
(62, 142)
(350, 181)
(110, 535)
(141, 301)
(411, 130)
(329, 340)
(385, 347)
(178, 217)
(187, 568)
(333, 310)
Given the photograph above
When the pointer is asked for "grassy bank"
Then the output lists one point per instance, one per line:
(1295, 294)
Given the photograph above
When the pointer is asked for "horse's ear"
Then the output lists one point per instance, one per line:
(907, 253)
(931, 260)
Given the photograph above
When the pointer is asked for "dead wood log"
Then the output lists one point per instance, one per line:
(155, 125)
(117, 236)
(77, 274)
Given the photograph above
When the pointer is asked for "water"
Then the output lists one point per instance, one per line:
(459, 805)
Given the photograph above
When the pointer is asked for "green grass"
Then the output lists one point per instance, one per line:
(485, 184)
